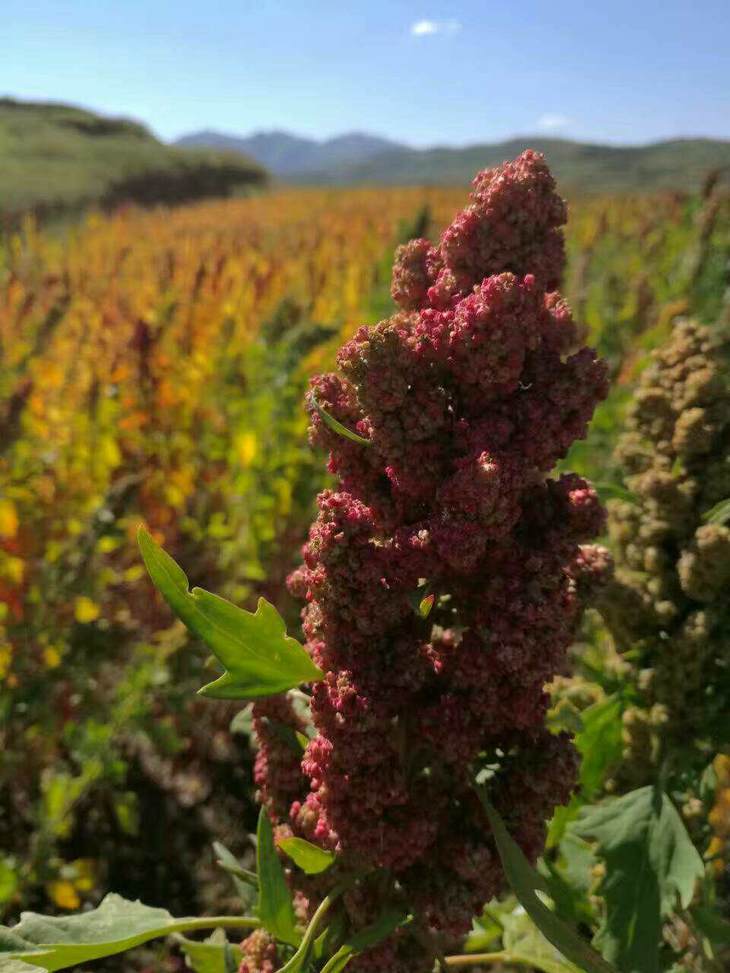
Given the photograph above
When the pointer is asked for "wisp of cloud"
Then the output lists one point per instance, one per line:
(427, 28)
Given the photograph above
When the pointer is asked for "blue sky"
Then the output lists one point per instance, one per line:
(425, 72)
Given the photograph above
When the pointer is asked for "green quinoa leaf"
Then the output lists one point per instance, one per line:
(337, 426)
(213, 955)
(525, 882)
(310, 858)
(525, 945)
(259, 658)
(57, 942)
(599, 742)
(275, 909)
(651, 868)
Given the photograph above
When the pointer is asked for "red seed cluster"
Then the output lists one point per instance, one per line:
(512, 224)
(445, 575)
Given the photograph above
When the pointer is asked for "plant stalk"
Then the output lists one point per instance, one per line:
(477, 959)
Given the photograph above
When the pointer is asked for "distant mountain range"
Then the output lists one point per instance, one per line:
(291, 155)
(359, 158)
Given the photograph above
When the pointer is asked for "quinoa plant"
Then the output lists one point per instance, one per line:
(667, 605)
(653, 737)
(444, 576)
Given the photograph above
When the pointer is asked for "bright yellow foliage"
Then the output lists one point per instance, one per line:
(85, 610)
(8, 520)
(63, 894)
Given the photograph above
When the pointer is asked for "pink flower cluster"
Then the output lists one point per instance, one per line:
(444, 577)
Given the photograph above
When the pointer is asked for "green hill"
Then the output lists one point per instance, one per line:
(56, 158)
(580, 167)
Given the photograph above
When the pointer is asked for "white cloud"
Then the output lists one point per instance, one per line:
(422, 28)
(426, 28)
(552, 121)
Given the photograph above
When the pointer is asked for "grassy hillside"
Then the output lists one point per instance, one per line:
(678, 164)
(57, 158)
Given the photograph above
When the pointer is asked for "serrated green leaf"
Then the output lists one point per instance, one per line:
(310, 858)
(57, 942)
(719, 514)
(259, 658)
(651, 865)
(561, 819)
(275, 906)
(525, 883)
(337, 426)
(485, 930)
(599, 743)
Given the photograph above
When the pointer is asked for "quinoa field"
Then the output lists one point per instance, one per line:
(460, 467)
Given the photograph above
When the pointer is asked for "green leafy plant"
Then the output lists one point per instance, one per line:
(526, 883)
(259, 658)
(651, 870)
(57, 943)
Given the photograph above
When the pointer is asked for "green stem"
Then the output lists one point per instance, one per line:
(300, 957)
(476, 959)
(243, 873)
(322, 909)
